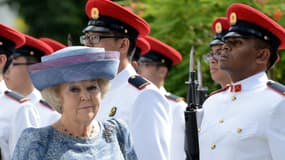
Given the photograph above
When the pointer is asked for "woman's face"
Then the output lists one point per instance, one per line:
(80, 100)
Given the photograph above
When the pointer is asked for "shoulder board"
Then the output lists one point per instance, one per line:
(277, 87)
(16, 96)
(174, 98)
(218, 91)
(44, 103)
(138, 82)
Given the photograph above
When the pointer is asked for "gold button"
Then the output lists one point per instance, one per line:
(239, 130)
(234, 98)
(213, 146)
(221, 120)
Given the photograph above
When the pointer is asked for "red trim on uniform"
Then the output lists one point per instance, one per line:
(219, 90)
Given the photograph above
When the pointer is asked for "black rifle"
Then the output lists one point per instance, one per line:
(201, 90)
(191, 130)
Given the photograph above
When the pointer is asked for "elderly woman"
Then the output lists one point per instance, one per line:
(73, 80)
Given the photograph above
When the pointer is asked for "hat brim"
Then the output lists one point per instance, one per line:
(95, 29)
(106, 69)
(73, 64)
(233, 35)
(216, 42)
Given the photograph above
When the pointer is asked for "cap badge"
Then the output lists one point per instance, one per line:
(113, 111)
(1, 43)
(218, 27)
(95, 13)
(233, 18)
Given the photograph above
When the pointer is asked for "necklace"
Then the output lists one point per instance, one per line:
(67, 132)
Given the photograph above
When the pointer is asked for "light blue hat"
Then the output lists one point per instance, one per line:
(73, 64)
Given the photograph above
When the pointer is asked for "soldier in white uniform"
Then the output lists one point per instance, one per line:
(220, 27)
(131, 97)
(16, 112)
(17, 68)
(245, 121)
(155, 66)
(3, 86)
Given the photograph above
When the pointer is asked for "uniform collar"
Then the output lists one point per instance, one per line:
(252, 82)
(35, 96)
(163, 91)
(123, 76)
(3, 87)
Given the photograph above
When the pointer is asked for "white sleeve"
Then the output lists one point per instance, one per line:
(25, 117)
(151, 126)
(276, 132)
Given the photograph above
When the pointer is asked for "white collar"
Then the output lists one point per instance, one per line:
(35, 96)
(123, 76)
(255, 81)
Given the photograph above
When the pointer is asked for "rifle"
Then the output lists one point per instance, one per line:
(191, 130)
(201, 90)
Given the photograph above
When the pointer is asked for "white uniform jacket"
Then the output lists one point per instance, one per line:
(244, 125)
(16, 114)
(145, 110)
(3, 87)
(178, 107)
(48, 116)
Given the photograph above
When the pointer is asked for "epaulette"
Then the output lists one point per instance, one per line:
(16, 96)
(218, 91)
(138, 82)
(44, 103)
(174, 98)
(278, 87)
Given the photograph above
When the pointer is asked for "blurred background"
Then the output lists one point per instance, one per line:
(179, 23)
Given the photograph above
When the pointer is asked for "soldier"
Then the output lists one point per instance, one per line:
(17, 68)
(131, 97)
(16, 112)
(220, 27)
(142, 47)
(245, 120)
(155, 66)
(55, 45)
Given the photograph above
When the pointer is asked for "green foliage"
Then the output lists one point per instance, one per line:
(52, 18)
(180, 23)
